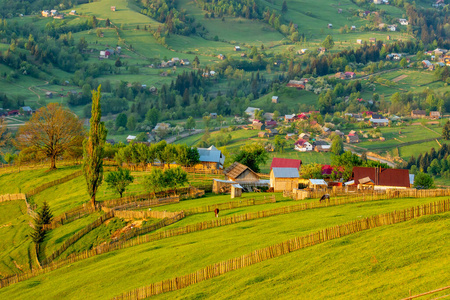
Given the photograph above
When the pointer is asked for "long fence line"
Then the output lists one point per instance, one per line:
(5, 168)
(398, 193)
(54, 182)
(185, 193)
(70, 241)
(285, 247)
(12, 197)
(184, 230)
(229, 205)
(148, 203)
(130, 214)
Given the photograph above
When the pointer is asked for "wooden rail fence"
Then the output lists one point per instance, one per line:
(285, 247)
(130, 214)
(230, 205)
(70, 241)
(148, 203)
(12, 197)
(54, 182)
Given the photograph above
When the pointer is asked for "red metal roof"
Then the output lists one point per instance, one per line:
(380, 176)
(286, 163)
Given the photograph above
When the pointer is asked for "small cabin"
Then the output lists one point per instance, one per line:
(113, 8)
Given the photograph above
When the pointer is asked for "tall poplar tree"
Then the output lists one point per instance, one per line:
(93, 148)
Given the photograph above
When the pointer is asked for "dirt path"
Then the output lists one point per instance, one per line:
(401, 77)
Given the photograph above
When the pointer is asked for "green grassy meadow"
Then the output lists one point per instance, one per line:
(187, 253)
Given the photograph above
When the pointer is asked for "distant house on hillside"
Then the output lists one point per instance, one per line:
(274, 99)
(418, 113)
(352, 138)
(221, 56)
(131, 138)
(237, 48)
(113, 8)
(211, 158)
(299, 84)
(435, 114)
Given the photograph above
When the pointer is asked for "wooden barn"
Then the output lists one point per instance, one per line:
(210, 158)
(284, 179)
(240, 173)
(222, 186)
(380, 179)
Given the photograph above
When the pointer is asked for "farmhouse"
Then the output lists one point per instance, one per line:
(290, 118)
(49, 95)
(377, 1)
(352, 138)
(45, 13)
(258, 125)
(211, 158)
(161, 126)
(240, 173)
(435, 115)
(403, 22)
(426, 64)
(285, 163)
(27, 110)
(271, 124)
(274, 99)
(418, 114)
(359, 41)
(330, 25)
(379, 178)
(303, 146)
(299, 84)
(263, 134)
(379, 122)
(73, 12)
(184, 62)
(353, 27)
(58, 16)
(321, 146)
(131, 138)
(304, 135)
(250, 111)
(237, 48)
(221, 56)
(272, 132)
(113, 8)
(392, 27)
(284, 179)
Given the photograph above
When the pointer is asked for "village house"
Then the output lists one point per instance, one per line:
(237, 48)
(271, 124)
(339, 133)
(27, 110)
(321, 146)
(272, 131)
(258, 125)
(303, 146)
(418, 114)
(377, 1)
(395, 56)
(49, 95)
(392, 27)
(330, 25)
(284, 179)
(211, 158)
(73, 12)
(213, 115)
(304, 135)
(113, 8)
(268, 116)
(290, 118)
(240, 173)
(250, 111)
(45, 13)
(274, 99)
(131, 138)
(321, 50)
(161, 126)
(352, 138)
(426, 64)
(221, 56)
(359, 41)
(379, 178)
(353, 27)
(184, 62)
(403, 22)
(379, 122)
(435, 115)
(299, 84)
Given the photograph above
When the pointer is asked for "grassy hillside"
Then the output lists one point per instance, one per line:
(142, 265)
(385, 262)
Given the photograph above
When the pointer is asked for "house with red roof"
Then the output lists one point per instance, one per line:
(380, 178)
(285, 163)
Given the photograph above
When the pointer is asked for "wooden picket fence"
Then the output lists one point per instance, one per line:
(285, 247)
(130, 214)
(54, 182)
(5, 168)
(148, 203)
(230, 205)
(12, 197)
(70, 216)
(382, 194)
(185, 193)
(70, 241)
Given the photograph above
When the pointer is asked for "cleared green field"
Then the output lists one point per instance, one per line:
(383, 263)
(14, 236)
(142, 264)
(126, 13)
(290, 97)
(24, 181)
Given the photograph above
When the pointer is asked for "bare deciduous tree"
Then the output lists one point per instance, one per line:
(51, 131)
